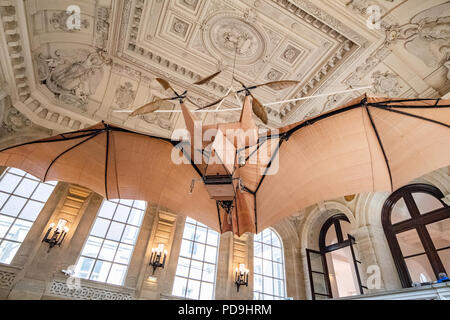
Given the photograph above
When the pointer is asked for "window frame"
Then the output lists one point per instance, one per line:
(116, 202)
(25, 176)
(417, 222)
(283, 266)
(208, 229)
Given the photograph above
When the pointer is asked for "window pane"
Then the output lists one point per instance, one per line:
(5, 223)
(100, 227)
(117, 274)
(410, 243)
(8, 251)
(257, 265)
(136, 217)
(207, 291)
(198, 251)
(277, 255)
(124, 254)
(257, 249)
(31, 210)
(9, 182)
(440, 233)
(426, 202)
(101, 270)
(189, 231)
(122, 213)
(92, 247)
(278, 270)
(142, 205)
(275, 241)
(331, 237)
(268, 285)
(42, 192)
(108, 250)
(115, 231)
(400, 212)
(107, 210)
(84, 267)
(210, 254)
(213, 238)
(196, 270)
(419, 269)
(278, 288)
(19, 230)
(13, 206)
(18, 172)
(200, 235)
(267, 251)
(183, 267)
(26, 188)
(186, 249)
(193, 289)
(126, 202)
(257, 284)
(179, 287)
(208, 272)
(130, 235)
(267, 268)
(267, 236)
(3, 197)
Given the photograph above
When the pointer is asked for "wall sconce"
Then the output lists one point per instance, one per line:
(241, 276)
(155, 259)
(58, 234)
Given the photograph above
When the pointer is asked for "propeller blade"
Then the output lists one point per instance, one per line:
(207, 79)
(279, 85)
(151, 107)
(165, 84)
(259, 110)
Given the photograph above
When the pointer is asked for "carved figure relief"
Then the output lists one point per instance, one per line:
(72, 78)
(59, 21)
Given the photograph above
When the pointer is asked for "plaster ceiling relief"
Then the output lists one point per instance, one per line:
(72, 75)
(208, 41)
(228, 34)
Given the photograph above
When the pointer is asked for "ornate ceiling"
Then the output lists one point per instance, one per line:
(64, 79)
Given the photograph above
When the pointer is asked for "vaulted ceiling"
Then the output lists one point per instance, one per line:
(61, 78)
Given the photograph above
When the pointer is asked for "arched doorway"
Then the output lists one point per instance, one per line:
(334, 269)
(417, 226)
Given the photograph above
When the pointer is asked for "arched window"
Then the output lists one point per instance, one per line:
(109, 247)
(336, 242)
(417, 226)
(196, 271)
(334, 269)
(268, 262)
(22, 198)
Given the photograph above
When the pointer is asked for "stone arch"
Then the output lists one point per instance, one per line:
(311, 228)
